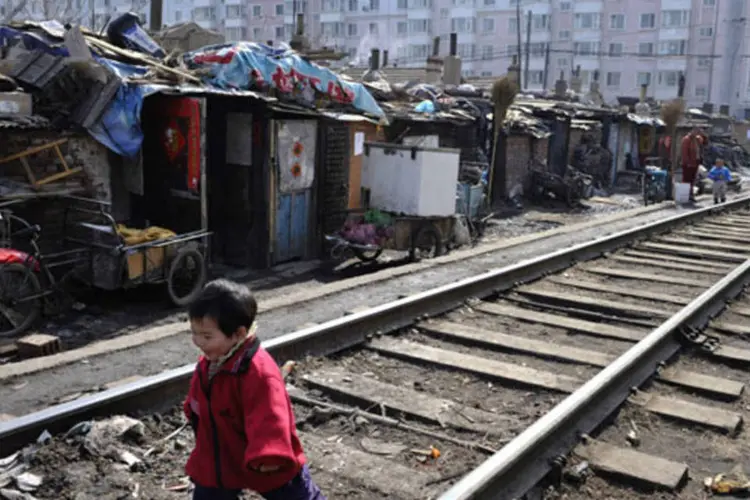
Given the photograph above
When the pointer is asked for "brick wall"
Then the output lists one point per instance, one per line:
(518, 154)
(80, 151)
(334, 185)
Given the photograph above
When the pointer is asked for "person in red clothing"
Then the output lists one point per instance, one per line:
(690, 150)
(238, 406)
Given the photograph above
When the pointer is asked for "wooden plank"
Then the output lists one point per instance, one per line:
(686, 411)
(634, 275)
(674, 258)
(598, 303)
(730, 328)
(627, 463)
(742, 311)
(732, 354)
(371, 393)
(564, 322)
(704, 383)
(367, 470)
(665, 264)
(539, 348)
(714, 235)
(739, 226)
(483, 367)
(686, 250)
(620, 290)
(729, 247)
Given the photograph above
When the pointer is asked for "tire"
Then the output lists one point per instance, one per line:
(367, 256)
(14, 277)
(426, 234)
(195, 282)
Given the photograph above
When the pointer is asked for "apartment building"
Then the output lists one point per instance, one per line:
(96, 13)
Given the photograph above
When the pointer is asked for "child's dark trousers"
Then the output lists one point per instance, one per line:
(301, 487)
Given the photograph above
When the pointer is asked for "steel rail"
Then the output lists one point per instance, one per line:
(521, 464)
(158, 392)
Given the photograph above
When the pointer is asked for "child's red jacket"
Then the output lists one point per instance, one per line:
(242, 419)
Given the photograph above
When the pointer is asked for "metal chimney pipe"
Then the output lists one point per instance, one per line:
(644, 89)
(375, 59)
(681, 85)
(454, 44)
(300, 24)
(436, 46)
(385, 58)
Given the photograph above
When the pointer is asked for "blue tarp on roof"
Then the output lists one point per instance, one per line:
(232, 67)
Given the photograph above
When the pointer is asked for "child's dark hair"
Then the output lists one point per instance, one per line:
(231, 305)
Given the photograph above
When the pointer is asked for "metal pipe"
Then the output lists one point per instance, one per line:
(163, 390)
(436, 46)
(375, 59)
(486, 481)
(453, 44)
(385, 58)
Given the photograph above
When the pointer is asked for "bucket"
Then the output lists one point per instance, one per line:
(682, 192)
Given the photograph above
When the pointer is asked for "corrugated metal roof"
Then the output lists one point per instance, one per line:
(33, 122)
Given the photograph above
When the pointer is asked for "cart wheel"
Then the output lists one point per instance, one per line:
(18, 310)
(367, 256)
(186, 276)
(427, 241)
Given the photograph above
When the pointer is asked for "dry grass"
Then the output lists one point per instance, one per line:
(671, 112)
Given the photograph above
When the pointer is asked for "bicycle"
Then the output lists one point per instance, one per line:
(28, 284)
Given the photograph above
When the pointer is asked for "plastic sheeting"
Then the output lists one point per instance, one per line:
(243, 64)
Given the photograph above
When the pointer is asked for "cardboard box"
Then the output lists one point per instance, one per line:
(154, 260)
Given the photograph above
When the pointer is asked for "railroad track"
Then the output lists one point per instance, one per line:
(571, 368)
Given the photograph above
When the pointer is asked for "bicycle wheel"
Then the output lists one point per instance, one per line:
(20, 299)
(186, 277)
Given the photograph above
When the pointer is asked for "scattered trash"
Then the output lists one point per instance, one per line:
(287, 368)
(731, 483)
(15, 495)
(44, 438)
(28, 482)
(432, 453)
(134, 463)
(578, 473)
(105, 433)
(632, 436)
(381, 448)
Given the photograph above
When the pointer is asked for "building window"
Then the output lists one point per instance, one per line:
(706, 31)
(709, 3)
(675, 18)
(672, 47)
(613, 79)
(617, 22)
(511, 50)
(486, 73)
(373, 28)
(536, 77)
(488, 25)
(375, 5)
(586, 48)
(351, 29)
(643, 79)
(462, 25)
(278, 32)
(538, 49)
(565, 6)
(178, 16)
(512, 25)
(489, 3)
(487, 51)
(615, 49)
(540, 22)
(420, 4)
(646, 49)
(704, 62)
(257, 10)
(257, 34)
(279, 9)
(467, 50)
(564, 35)
(701, 91)
(445, 13)
(587, 21)
(235, 34)
(402, 28)
(562, 62)
(668, 78)
(401, 4)
(419, 51)
(420, 26)
(332, 29)
(648, 21)
(233, 11)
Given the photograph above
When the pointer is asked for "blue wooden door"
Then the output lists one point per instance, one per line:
(296, 174)
(292, 225)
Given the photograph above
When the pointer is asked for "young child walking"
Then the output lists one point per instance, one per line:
(720, 175)
(238, 406)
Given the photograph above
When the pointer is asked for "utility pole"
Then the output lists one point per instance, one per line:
(546, 66)
(155, 15)
(713, 53)
(518, 37)
(528, 52)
